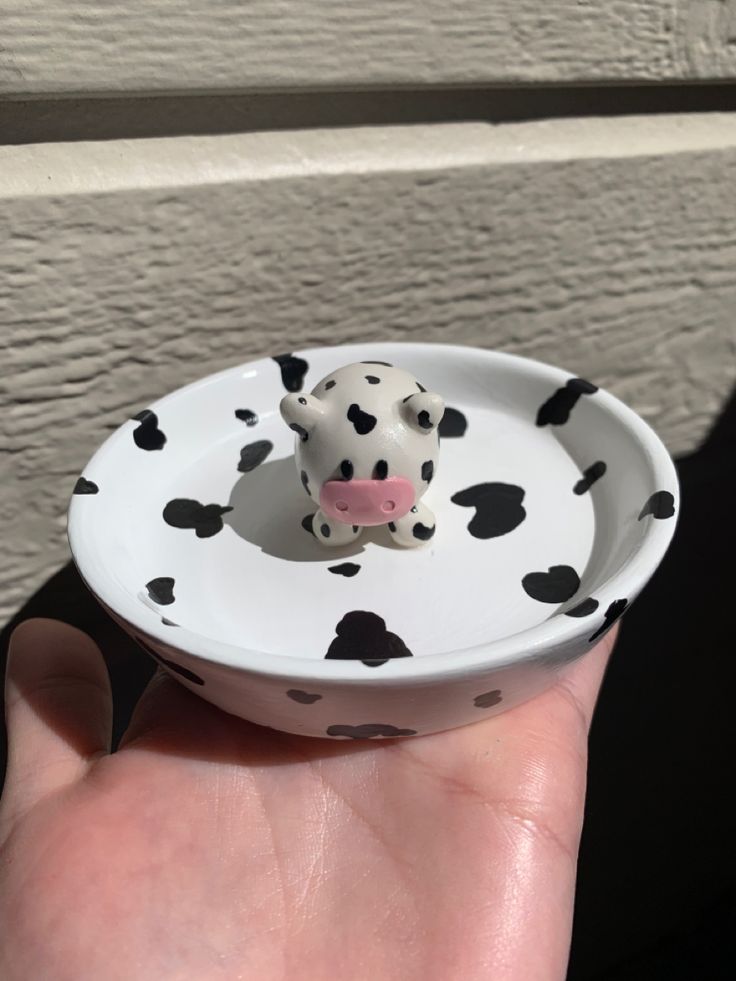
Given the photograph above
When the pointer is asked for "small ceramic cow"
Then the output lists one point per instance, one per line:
(366, 451)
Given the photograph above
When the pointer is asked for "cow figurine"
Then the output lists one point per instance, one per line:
(366, 450)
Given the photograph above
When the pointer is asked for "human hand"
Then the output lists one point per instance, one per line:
(208, 847)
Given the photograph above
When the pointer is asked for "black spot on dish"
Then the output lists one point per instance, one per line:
(380, 471)
(612, 614)
(499, 508)
(372, 379)
(300, 431)
(659, 505)
(254, 454)
(556, 410)
(205, 519)
(583, 609)
(558, 584)
(328, 385)
(247, 416)
(362, 636)
(171, 665)
(346, 469)
(293, 370)
(325, 530)
(384, 363)
(303, 697)
(362, 421)
(368, 730)
(347, 569)
(453, 424)
(428, 470)
(422, 532)
(161, 590)
(423, 419)
(391, 526)
(168, 623)
(84, 486)
(590, 475)
(488, 699)
(308, 523)
(305, 480)
(148, 436)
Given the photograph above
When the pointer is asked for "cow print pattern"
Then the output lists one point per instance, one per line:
(305, 480)
(372, 379)
(161, 590)
(612, 614)
(424, 420)
(205, 519)
(363, 422)
(422, 532)
(308, 523)
(293, 370)
(593, 473)
(148, 436)
(252, 455)
(428, 471)
(384, 363)
(488, 699)
(362, 636)
(584, 608)
(346, 469)
(329, 384)
(499, 508)
(557, 585)
(368, 730)
(247, 416)
(347, 569)
(303, 697)
(453, 424)
(300, 431)
(380, 471)
(171, 665)
(660, 505)
(556, 410)
(84, 486)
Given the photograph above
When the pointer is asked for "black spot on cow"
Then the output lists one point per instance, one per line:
(355, 529)
(308, 523)
(392, 526)
(347, 569)
(84, 486)
(300, 431)
(293, 370)
(161, 590)
(254, 454)
(369, 730)
(302, 401)
(247, 416)
(428, 470)
(499, 508)
(558, 584)
(590, 475)
(362, 636)
(303, 697)
(556, 410)
(330, 384)
(346, 469)
(659, 505)
(373, 379)
(423, 419)
(407, 397)
(325, 530)
(362, 421)
(380, 471)
(414, 509)
(305, 480)
(614, 611)
(421, 387)
(168, 623)
(422, 532)
(148, 436)
(384, 363)
(488, 699)
(205, 519)
(584, 608)
(453, 424)
(171, 665)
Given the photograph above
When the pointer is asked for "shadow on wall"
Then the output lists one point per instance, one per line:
(657, 852)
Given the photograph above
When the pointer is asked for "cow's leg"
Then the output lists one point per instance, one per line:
(330, 532)
(415, 528)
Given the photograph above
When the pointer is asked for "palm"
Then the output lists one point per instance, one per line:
(208, 847)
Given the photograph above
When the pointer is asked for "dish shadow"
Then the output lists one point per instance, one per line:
(270, 510)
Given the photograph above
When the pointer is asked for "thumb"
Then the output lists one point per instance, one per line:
(58, 707)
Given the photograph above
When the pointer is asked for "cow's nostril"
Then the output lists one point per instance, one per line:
(388, 506)
(341, 505)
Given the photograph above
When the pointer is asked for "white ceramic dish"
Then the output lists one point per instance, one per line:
(554, 505)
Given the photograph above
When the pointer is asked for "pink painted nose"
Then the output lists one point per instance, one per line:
(367, 502)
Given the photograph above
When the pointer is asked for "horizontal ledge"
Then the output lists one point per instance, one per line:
(92, 167)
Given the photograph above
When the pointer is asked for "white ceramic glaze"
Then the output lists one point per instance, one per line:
(554, 505)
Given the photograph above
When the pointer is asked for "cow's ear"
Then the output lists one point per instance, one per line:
(302, 413)
(423, 411)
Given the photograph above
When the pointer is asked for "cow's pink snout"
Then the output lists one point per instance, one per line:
(367, 502)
